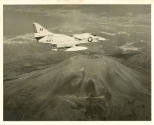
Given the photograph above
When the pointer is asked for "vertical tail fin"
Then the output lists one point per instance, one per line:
(40, 31)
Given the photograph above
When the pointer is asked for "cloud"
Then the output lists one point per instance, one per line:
(42, 10)
(25, 38)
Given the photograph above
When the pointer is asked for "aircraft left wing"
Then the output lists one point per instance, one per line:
(88, 37)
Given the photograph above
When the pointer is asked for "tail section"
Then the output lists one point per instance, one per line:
(40, 31)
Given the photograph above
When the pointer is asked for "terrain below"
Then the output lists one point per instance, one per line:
(79, 88)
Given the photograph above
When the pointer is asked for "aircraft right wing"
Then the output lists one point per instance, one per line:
(76, 48)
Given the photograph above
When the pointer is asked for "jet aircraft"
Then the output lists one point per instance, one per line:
(72, 43)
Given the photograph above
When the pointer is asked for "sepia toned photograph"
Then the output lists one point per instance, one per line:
(77, 62)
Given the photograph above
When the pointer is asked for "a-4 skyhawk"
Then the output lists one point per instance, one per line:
(72, 43)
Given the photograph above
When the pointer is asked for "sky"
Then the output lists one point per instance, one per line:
(18, 19)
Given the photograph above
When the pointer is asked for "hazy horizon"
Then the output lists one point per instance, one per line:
(18, 19)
